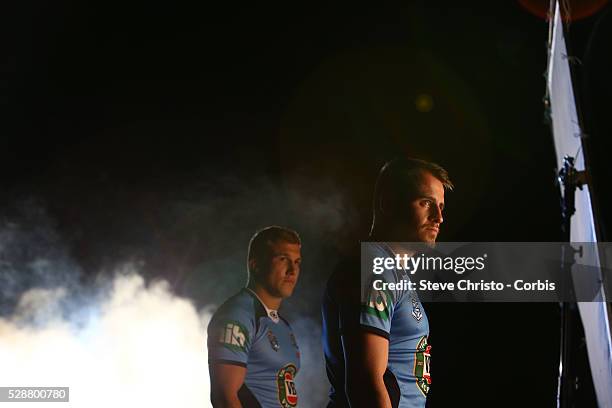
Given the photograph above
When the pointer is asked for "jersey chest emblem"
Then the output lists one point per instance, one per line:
(287, 393)
(417, 313)
(273, 341)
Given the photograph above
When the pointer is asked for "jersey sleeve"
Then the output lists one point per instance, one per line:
(230, 335)
(378, 305)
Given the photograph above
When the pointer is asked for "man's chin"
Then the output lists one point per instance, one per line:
(429, 237)
(285, 293)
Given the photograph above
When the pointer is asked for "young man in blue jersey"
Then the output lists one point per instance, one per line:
(252, 352)
(376, 344)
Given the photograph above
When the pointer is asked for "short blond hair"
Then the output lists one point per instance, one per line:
(261, 241)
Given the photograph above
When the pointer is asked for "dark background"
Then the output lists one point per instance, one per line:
(166, 134)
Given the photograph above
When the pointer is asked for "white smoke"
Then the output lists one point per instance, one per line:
(119, 343)
(138, 346)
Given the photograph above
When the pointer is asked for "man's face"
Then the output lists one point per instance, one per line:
(425, 210)
(281, 270)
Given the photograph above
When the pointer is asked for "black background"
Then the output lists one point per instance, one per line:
(168, 133)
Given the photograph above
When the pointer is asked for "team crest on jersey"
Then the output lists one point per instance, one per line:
(378, 304)
(273, 341)
(417, 313)
(287, 393)
(421, 365)
(234, 336)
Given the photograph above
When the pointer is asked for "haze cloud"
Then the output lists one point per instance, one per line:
(118, 337)
(141, 346)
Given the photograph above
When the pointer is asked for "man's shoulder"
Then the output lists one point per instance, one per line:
(241, 306)
(232, 330)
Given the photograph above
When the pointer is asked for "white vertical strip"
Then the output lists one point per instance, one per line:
(567, 137)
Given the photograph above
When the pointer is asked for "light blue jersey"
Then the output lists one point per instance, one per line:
(399, 316)
(245, 333)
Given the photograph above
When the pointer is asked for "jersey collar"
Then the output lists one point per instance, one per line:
(272, 314)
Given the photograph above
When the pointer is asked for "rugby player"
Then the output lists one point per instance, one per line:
(376, 342)
(252, 352)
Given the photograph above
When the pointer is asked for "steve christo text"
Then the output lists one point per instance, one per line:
(463, 285)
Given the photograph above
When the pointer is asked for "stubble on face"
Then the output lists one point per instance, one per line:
(426, 209)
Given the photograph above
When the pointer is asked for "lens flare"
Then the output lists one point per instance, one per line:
(572, 9)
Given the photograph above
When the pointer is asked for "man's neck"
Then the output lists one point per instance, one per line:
(269, 301)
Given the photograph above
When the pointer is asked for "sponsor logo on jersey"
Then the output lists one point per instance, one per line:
(273, 341)
(378, 304)
(421, 365)
(287, 393)
(234, 336)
